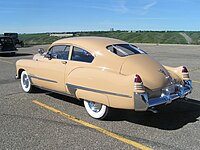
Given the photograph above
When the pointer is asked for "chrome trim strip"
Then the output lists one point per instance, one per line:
(75, 87)
(32, 76)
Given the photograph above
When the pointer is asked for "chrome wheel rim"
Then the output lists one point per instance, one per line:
(25, 81)
(95, 107)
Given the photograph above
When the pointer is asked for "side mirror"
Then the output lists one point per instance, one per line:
(41, 51)
(48, 56)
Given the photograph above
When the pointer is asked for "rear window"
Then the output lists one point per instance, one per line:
(124, 49)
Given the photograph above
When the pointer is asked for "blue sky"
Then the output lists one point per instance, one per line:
(30, 16)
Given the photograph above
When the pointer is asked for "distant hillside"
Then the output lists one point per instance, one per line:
(143, 37)
(195, 37)
(39, 38)
(159, 37)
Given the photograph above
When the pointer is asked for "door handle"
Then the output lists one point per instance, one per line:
(64, 62)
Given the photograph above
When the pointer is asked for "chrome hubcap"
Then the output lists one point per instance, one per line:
(96, 107)
(26, 81)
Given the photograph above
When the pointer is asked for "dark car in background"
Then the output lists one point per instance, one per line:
(15, 38)
(7, 45)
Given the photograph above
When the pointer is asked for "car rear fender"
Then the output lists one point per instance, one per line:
(92, 96)
(102, 86)
(176, 73)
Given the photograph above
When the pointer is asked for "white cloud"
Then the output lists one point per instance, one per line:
(149, 5)
(112, 5)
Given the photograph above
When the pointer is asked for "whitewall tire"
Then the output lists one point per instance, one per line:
(96, 110)
(25, 82)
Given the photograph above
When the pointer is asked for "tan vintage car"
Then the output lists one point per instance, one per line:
(104, 73)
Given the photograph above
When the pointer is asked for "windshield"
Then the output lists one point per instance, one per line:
(124, 49)
(6, 41)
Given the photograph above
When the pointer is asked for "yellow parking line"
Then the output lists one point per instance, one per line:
(195, 70)
(5, 61)
(195, 81)
(113, 135)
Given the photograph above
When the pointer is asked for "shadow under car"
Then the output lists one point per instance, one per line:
(169, 117)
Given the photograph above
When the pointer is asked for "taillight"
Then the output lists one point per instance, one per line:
(138, 84)
(185, 73)
(137, 79)
(184, 70)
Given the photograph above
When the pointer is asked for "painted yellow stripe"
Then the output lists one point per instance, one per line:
(113, 135)
(195, 81)
(8, 62)
(195, 70)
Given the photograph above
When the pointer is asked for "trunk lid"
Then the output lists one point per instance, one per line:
(153, 74)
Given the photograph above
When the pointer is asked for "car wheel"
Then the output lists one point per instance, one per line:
(96, 110)
(25, 82)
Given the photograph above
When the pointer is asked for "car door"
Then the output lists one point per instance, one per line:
(49, 71)
(78, 58)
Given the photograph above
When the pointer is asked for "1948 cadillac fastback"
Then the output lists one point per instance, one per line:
(104, 73)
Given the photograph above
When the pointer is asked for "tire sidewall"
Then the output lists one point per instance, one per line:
(28, 89)
(97, 115)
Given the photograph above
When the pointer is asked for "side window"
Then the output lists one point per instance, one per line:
(79, 54)
(60, 52)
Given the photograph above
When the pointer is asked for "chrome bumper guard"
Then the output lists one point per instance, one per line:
(142, 102)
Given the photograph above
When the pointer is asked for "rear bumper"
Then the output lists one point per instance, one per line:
(142, 102)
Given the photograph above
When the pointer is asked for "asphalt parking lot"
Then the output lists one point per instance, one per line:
(45, 120)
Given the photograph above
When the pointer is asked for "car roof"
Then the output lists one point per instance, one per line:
(97, 46)
(90, 43)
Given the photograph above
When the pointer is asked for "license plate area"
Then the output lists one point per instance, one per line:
(171, 89)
